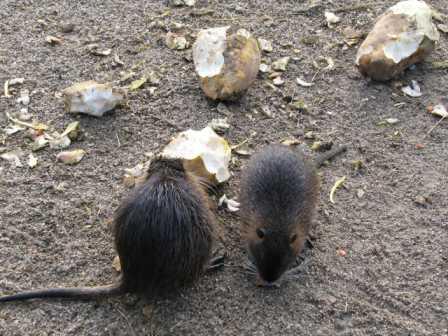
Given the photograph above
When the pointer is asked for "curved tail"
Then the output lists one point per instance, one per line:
(320, 160)
(76, 293)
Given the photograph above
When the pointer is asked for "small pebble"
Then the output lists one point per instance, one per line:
(67, 27)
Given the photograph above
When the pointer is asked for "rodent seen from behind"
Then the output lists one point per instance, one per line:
(278, 195)
(163, 235)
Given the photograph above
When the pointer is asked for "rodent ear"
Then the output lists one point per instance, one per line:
(293, 238)
(261, 233)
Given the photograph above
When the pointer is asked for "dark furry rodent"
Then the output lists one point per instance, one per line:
(163, 235)
(279, 192)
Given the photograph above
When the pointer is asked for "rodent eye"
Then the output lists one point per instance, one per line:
(260, 233)
(293, 238)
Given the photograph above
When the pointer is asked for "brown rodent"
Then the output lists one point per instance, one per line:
(279, 192)
(163, 235)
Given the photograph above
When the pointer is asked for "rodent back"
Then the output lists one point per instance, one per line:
(278, 187)
(278, 195)
(163, 232)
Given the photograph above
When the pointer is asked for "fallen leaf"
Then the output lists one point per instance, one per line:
(53, 40)
(100, 52)
(12, 129)
(58, 141)
(290, 142)
(176, 41)
(337, 184)
(331, 18)
(316, 146)
(39, 143)
(243, 152)
(281, 64)
(231, 204)
(265, 45)
(71, 157)
(412, 90)
(440, 110)
(117, 60)
(24, 97)
(440, 65)
(116, 264)
(219, 125)
(340, 252)
(419, 146)
(72, 130)
(421, 200)
(392, 121)
(357, 164)
(299, 105)
(303, 83)
(264, 68)
(267, 111)
(35, 126)
(278, 81)
(443, 28)
(137, 84)
(13, 157)
(310, 135)
(12, 82)
(32, 161)
(16, 81)
(188, 3)
(360, 193)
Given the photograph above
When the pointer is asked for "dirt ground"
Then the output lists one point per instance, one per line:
(393, 279)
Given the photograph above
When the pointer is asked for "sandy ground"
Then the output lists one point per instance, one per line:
(53, 218)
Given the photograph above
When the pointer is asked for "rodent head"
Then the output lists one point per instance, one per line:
(273, 251)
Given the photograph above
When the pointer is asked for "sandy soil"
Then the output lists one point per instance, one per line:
(53, 218)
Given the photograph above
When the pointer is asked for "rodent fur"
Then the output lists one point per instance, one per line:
(163, 235)
(279, 192)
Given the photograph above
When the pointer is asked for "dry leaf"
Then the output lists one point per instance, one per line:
(53, 40)
(32, 161)
(412, 90)
(231, 204)
(176, 41)
(71, 157)
(265, 45)
(331, 19)
(338, 183)
(280, 64)
(137, 84)
(13, 157)
(116, 264)
(303, 83)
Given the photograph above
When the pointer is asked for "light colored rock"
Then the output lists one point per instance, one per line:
(59, 141)
(403, 36)
(265, 45)
(331, 19)
(204, 152)
(227, 61)
(71, 157)
(219, 125)
(281, 64)
(188, 3)
(32, 160)
(13, 157)
(92, 98)
(176, 42)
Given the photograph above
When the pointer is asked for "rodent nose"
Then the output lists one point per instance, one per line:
(260, 282)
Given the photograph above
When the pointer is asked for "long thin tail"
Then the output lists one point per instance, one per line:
(76, 293)
(319, 161)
